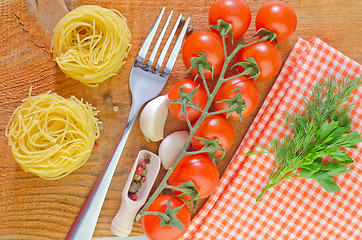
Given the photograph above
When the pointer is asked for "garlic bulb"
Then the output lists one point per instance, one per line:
(171, 146)
(153, 118)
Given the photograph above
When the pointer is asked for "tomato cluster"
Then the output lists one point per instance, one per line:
(275, 16)
(198, 168)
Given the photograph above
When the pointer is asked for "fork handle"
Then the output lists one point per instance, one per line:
(86, 221)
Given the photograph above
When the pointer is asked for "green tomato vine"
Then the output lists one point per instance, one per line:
(200, 64)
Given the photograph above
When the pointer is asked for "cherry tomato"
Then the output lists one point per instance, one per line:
(278, 17)
(267, 56)
(249, 94)
(209, 43)
(200, 99)
(199, 169)
(235, 12)
(151, 223)
(213, 127)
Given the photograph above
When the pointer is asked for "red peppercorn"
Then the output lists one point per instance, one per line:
(133, 196)
(95, 146)
(143, 164)
(139, 170)
(143, 179)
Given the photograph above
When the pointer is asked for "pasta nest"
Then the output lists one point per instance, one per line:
(51, 136)
(90, 43)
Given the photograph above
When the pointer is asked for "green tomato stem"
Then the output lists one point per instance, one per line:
(195, 152)
(235, 76)
(240, 46)
(205, 85)
(218, 112)
(223, 42)
(174, 188)
(187, 118)
(159, 214)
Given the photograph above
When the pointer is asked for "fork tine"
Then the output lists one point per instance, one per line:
(176, 49)
(167, 44)
(146, 44)
(159, 39)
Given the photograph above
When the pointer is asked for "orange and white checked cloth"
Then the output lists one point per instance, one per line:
(298, 208)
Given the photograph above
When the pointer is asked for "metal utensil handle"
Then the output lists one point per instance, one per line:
(86, 221)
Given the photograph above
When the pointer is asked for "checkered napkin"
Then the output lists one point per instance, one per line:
(298, 208)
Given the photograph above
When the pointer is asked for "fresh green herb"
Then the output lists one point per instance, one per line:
(320, 130)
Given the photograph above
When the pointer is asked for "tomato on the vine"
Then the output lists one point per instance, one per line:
(199, 169)
(214, 127)
(208, 42)
(266, 55)
(200, 99)
(151, 223)
(235, 12)
(249, 94)
(278, 17)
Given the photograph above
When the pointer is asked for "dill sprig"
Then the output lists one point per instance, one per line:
(320, 130)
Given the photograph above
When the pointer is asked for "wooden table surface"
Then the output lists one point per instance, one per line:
(33, 208)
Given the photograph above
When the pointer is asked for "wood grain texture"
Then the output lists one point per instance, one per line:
(33, 208)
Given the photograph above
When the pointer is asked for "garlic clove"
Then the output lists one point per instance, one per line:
(153, 118)
(171, 146)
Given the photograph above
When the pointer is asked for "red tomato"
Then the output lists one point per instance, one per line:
(277, 17)
(235, 12)
(267, 56)
(213, 127)
(151, 223)
(209, 43)
(200, 99)
(249, 94)
(199, 169)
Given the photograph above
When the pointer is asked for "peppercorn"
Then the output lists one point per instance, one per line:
(143, 179)
(137, 177)
(134, 187)
(140, 170)
(133, 196)
(147, 156)
(143, 164)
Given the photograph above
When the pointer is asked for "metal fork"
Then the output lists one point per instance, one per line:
(145, 84)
